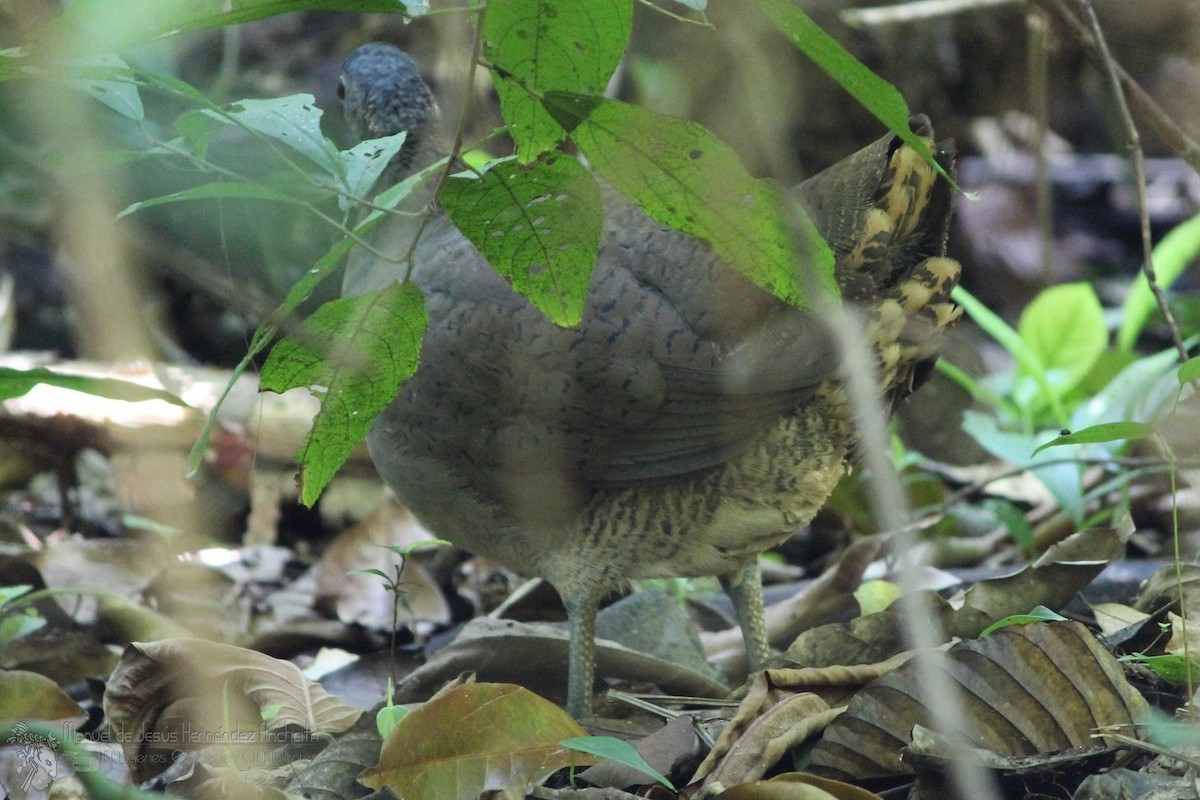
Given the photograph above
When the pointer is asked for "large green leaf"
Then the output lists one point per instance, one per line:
(683, 176)
(294, 121)
(358, 350)
(1064, 327)
(539, 46)
(102, 26)
(1027, 359)
(538, 225)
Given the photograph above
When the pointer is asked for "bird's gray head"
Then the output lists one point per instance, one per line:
(382, 93)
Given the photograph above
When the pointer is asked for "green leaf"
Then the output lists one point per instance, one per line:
(365, 162)
(107, 78)
(1008, 338)
(208, 191)
(871, 91)
(357, 350)
(1039, 614)
(371, 571)
(1104, 432)
(1064, 327)
(618, 750)
(388, 717)
(1138, 393)
(15, 626)
(1013, 519)
(681, 175)
(303, 289)
(1189, 370)
(1171, 668)
(16, 382)
(10, 593)
(1171, 257)
(539, 226)
(550, 45)
(876, 595)
(294, 121)
(11, 65)
(406, 550)
(1064, 480)
(103, 26)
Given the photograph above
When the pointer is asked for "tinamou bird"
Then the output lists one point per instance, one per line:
(689, 422)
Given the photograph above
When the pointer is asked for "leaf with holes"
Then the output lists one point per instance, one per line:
(538, 225)
(353, 353)
(294, 121)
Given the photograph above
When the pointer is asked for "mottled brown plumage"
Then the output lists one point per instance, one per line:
(688, 423)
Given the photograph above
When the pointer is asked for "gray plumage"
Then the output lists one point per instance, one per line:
(688, 423)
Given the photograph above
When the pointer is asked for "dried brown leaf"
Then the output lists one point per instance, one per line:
(1025, 689)
(797, 786)
(185, 694)
(769, 738)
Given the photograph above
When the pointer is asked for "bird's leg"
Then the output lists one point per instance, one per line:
(744, 588)
(581, 658)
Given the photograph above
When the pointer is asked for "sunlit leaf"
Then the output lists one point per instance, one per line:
(1189, 370)
(511, 740)
(539, 226)
(680, 174)
(1064, 327)
(550, 46)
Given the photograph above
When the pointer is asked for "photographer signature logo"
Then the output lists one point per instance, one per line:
(36, 764)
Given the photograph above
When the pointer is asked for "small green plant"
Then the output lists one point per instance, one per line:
(395, 584)
(388, 717)
(1067, 386)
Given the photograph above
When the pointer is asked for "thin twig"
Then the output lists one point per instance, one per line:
(452, 162)
(1174, 137)
(1038, 25)
(1133, 144)
(890, 507)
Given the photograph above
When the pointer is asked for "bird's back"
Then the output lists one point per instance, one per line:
(690, 420)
